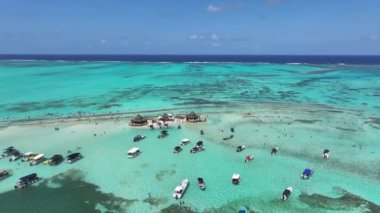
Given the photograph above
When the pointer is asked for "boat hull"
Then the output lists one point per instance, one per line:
(181, 189)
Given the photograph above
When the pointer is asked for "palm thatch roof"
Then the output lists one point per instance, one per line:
(192, 116)
(139, 120)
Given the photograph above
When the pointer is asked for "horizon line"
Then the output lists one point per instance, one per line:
(89, 54)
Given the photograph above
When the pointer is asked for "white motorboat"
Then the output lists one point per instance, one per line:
(134, 152)
(37, 159)
(28, 156)
(236, 179)
(185, 141)
(180, 189)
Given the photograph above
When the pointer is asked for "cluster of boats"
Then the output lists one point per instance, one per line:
(37, 158)
(180, 189)
(305, 174)
(178, 149)
(247, 158)
(135, 151)
(199, 146)
(33, 159)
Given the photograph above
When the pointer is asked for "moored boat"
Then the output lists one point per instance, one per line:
(138, 138)
(185, 141)
(196, 149)
(37, 159)
(307, 173)
(134, 152)
(199, 144)
(55, 160)
(163, 134)
(286, 193)
(201, 183)
(28, 156)
(248, 158)
(180, 189)
(235, 179)
(15, 156)
(228, 137)
(26, 181)
(5, 174)
(74, 157)
(240, 148)
(177, 149)
(9, 151)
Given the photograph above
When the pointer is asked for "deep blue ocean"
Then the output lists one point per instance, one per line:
(309, 59)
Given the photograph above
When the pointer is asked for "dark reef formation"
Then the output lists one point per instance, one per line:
(347, 201)
(72, 195)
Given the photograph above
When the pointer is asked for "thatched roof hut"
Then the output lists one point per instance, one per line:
(192, 117)
(167, 117)
(138, 121)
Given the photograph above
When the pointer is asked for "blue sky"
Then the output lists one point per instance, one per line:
(190, 27)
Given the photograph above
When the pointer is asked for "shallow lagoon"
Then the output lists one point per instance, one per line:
(301, 109)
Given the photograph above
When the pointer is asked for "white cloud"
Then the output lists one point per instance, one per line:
(205, 37)
(213, 8)
(214, 37)
(195, 37)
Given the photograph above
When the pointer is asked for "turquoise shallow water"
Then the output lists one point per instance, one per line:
(302, 109)
(35, 88)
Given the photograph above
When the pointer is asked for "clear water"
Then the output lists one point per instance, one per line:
(301, 108)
